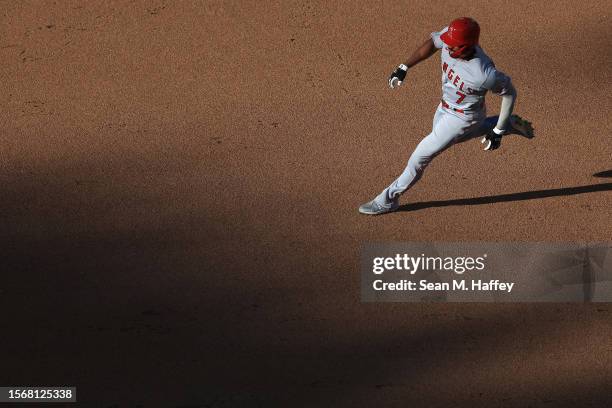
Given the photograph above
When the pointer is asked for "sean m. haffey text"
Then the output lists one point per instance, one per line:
(413, 264)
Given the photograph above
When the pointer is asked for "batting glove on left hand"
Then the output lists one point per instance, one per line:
(398, 76)
(492, 140)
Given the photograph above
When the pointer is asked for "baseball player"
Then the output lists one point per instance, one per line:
(467, 75)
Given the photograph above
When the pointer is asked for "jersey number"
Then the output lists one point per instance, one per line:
(461, 97)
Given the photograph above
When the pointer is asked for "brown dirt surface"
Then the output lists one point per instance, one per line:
(180, 183)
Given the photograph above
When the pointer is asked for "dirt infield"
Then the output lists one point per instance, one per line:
(180, 189)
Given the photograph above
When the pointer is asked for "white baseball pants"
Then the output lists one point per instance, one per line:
(447, 130)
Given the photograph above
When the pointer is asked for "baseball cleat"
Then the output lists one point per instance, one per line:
(521, 126)
(374, 208)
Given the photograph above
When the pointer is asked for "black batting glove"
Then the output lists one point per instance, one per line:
(398, 76)
(492, 139)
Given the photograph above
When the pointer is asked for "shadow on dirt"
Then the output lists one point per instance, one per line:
(603, 174)
(125, 290)
(502, 198)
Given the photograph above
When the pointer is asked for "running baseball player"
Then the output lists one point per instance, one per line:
(467, 75)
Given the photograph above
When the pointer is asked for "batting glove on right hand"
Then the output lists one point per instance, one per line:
(398, 76)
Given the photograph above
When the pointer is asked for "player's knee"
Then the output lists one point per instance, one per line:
(419, 163)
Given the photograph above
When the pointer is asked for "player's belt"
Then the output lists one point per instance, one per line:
(446, 105)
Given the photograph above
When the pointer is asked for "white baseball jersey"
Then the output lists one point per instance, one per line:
(465, 82)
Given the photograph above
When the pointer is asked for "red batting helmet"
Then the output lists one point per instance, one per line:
(462, 32)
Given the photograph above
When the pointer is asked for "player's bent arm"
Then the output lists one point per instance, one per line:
(426, 50)
(422, 53)
(507, 105)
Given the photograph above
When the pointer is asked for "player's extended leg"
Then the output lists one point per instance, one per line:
(446, 130)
